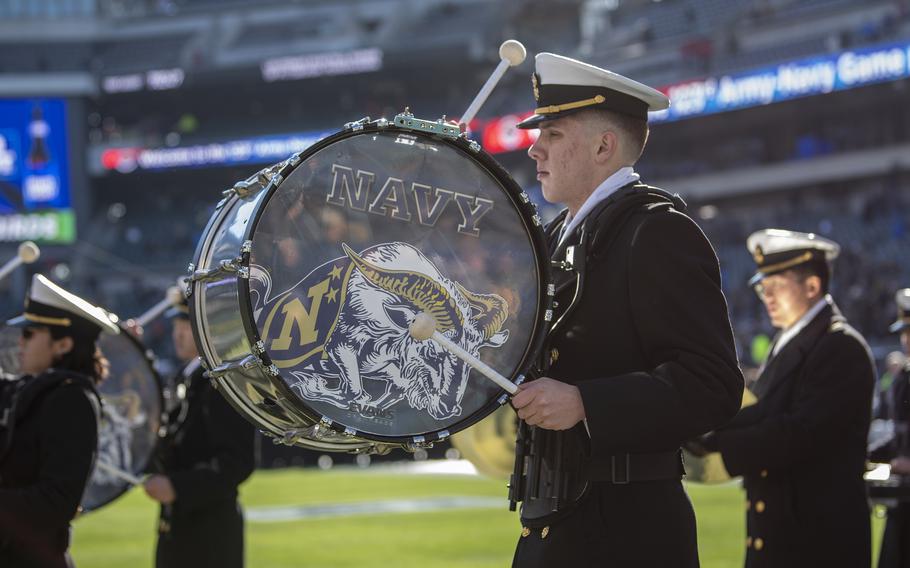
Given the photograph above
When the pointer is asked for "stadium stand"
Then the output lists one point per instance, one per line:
(763, 166)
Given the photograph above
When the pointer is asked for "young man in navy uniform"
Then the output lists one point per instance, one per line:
(641, 355)
(207, 454)
(801, 449)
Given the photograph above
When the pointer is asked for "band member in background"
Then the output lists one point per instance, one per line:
(802, 448)
(49, 425)
(207, 453)
(642, 356)
(895, 550)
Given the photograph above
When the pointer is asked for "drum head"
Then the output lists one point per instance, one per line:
(130, 413)
(370, 229)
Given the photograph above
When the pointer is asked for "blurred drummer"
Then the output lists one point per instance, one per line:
(895, 551)
(801, 449)
(49, 425)
(207, 453)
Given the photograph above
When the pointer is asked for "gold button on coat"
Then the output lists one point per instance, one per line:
(545, 532)
(764, 473)
(759, 544)
(749, 542)
(525, 532)
(759, 506)
(748, 504)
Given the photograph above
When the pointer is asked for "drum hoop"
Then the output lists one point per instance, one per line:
(146, 354)
(528, 214)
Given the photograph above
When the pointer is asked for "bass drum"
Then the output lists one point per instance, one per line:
(309, 273)
(131, 411)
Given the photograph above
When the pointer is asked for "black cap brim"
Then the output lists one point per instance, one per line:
(534, 121)
(20, 321)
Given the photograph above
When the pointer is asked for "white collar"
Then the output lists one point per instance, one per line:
(620, 178)
(801, 323)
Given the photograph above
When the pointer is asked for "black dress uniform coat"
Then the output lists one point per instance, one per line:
(895, 549)
(207, 457)
(651, 349)
(801, 450)
(45, 466)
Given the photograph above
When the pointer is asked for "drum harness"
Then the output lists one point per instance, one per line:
(549, 475)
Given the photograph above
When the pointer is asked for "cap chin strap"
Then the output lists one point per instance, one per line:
(65, 322)
(805, 257)
(569, 106)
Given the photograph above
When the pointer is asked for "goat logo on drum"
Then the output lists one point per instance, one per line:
(341, 333)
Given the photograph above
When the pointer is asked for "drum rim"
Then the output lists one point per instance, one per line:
(533, 227)
(150, 360)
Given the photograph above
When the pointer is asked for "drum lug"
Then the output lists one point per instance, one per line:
(548, 315)
(357, 125)
(294, 160)
(246, 247)
(382, 123)
(536, 220)
(524, 197)
(551, 289)
(443, 434)
(273, 371)
(243, 189)
(259, 347)
(248, 363)
(418, 443)
(474, 146)
(224, 267)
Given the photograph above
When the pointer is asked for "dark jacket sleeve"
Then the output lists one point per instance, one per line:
(232, 438)
(836, 383)
(67, 444)
(693, 383)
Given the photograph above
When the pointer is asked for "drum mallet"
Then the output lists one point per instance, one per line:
(424, 327)
(511, 53)
(118, 473)
(27, 254)
(172, 298)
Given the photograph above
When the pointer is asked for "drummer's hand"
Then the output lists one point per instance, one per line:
(159, 488)
(550, 404)
(134, 328)
(900, 465)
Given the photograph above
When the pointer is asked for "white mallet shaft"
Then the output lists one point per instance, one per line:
(171, 299)
(511, 53)
(28, 253)
(117, 472)
(424, 327)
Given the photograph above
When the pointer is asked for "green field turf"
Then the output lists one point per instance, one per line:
(121, 535)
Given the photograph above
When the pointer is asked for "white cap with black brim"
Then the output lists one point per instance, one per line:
(564, 86)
